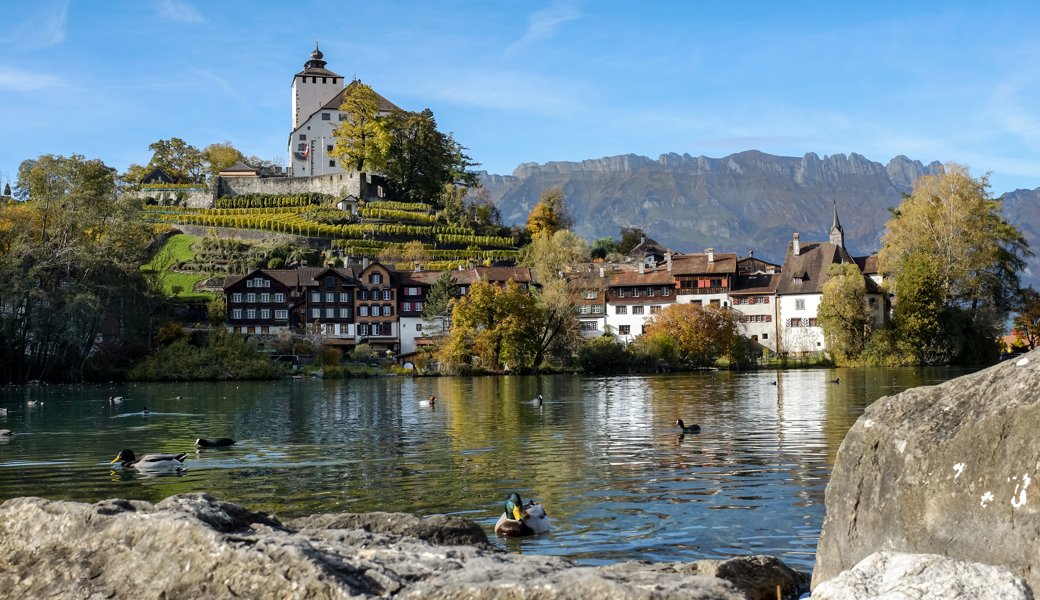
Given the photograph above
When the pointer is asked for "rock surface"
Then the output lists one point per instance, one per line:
(947, 469)
(757, 577)
(194, 546)
(895, 576)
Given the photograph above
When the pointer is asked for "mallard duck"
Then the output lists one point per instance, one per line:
(178, 398)
(6, 433)
(537, 401)
(115, 399)
(838, 380)
(144, 410)
(522, 519)
(691, 429)
(149, 461)
(214, 443)
(428, 402)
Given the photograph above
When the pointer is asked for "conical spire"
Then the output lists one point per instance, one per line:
(837, 233)
(836, 224)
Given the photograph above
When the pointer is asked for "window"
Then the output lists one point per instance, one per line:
(411, 291)
(279, 298)
(362, 295)
(799, 304)
(649, 292)
(666, 291)
(635, 293)
(267, 283)
(237, 297)
(344, 296)
(642, 329)
(250, 298)
(637, 310)
(388, 295)
(375, 278)
(330, 282)
(418, 326)
(713, 302)
(265, 298)
(334, 79)
(265, 313)
(315, 313)
(583, 309)
(388, 310)
(345, 313)
(281, 315)
(252, 330)
(328, 148)
(301, 147)
(591, 295)
(624, 329)
(330, 297)
(801, 322)
(303, 137)
(330, 313)
(620, 310)
(362, 311)
(342, 117)
(332, 163)
(362, 329)
(597, 308)
(326, 116)
(406, 307)
(589, 326)
(765, 336)
(315, 297)
(250, 313)
(249, 283)
(462, 290)
(872, 302)
(418, 306)
(236, 314)
(655, 310)
(797, 279)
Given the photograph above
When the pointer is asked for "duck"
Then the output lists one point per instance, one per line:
(115, 399)
(145, 411)
(772, 383)
(6, 433)
(214, 443)
(149, 461)
(695, 428)
(3, 412)
(178, 397)
(537, 401)
(428, 402)
(838, 380)
(34, 402)
(522, 519)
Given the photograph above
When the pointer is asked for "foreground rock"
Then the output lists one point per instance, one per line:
(895, 576)
(194, 546)
(948, 469)
(757, 577)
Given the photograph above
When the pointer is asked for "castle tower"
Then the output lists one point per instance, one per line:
(312, 88)
(837, 233)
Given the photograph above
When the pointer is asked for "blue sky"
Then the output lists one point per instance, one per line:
(520, 82)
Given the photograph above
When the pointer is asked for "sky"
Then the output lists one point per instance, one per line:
(538, 81)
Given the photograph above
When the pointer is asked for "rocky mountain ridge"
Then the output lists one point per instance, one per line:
(745, 201)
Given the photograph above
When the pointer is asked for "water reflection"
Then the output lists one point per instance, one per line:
(602, 454)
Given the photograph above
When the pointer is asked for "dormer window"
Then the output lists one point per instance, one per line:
(797, 279)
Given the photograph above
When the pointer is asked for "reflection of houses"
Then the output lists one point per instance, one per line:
(800, 290)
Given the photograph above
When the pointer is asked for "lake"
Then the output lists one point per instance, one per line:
(602, 454)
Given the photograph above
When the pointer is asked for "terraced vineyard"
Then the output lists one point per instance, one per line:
(378, 226)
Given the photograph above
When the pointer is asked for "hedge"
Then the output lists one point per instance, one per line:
(412, 206)
(273, 200)
(478, 240)
(400, 215)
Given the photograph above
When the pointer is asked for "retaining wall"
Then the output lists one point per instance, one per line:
(337, 184)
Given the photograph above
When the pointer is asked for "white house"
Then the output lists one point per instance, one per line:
(754, 300)
(633, 296)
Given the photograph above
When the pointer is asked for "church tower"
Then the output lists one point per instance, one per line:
(837, 233)
(312, 88)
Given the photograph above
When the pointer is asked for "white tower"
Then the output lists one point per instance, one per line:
(312, 88)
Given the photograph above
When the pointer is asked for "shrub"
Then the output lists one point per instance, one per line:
(362, 353)
(276, 263)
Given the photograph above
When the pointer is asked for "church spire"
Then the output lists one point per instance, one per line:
(837, 233)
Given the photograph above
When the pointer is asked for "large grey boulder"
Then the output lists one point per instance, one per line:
(947, 469)
(194, 546)
(896, 576)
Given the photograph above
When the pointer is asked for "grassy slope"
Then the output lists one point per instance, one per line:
(179, 248)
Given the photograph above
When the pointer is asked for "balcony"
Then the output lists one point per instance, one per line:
(703, 291)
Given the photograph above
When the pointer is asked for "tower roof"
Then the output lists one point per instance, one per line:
(316, 66)
(836, 224)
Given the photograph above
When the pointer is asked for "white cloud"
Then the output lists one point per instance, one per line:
(46, 27)
(543, 24)
(177, 10)
(26, 81)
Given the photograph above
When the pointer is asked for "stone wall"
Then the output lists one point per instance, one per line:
(190, 198)
(338, 184)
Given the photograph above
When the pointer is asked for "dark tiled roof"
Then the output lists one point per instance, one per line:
(755, 284)
(811, 264)
(656, 277)
(318, 72)
(697, 264)
(868, 264)
(239, 167)
(646, 248)
(419, 278)
(501, 274)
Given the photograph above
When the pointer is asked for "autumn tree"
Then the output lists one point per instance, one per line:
(698, 335)
(550, 213)
(500, 321)
(356, 136)
(221, 156)
(1028, 320)
(181, 161)
(415, 252)
(391, 255)
(549, 253)
(843, 312)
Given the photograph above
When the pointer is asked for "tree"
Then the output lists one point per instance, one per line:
(221, 156)
(391, 255)
(1028, 320)
(415, 158)
(550, 214)
(438, 305)
(500, 321)
(843, 311)
(181, 161)
(630, 238)
(548, 254)
(415, 252)
(603, 247)
(356, 135)
(700, 334)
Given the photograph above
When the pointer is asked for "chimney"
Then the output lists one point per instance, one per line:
(602, 273)
(642, 239)
(711, 254)
(364, 263)
(418, 267)
(471, 263)
(668, 259)
(303, 263)
(797, 246)
(751, 253)
(642, 268)
(460, 268)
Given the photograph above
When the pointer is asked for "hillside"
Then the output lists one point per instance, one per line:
(745, 201)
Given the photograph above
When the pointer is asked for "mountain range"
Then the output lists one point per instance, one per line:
(738, 203)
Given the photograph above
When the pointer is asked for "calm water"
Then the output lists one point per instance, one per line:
(602, 455)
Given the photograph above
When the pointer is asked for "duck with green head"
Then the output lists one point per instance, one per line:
(128, 460)
(522, 519)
